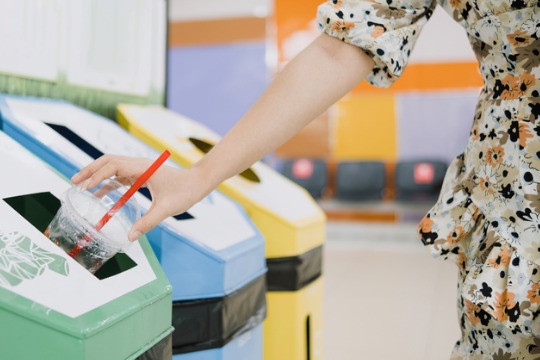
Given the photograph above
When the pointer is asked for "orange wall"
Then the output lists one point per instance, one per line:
(366, 128)
(216, 31)
(291, 16)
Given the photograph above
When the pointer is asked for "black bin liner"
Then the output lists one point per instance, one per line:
(212, 323)
(296, 272)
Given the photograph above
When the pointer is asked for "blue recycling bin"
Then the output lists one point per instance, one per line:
(212, 255)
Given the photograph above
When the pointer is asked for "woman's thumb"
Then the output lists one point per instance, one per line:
(146, 223)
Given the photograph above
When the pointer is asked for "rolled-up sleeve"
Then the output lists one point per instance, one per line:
(385, 29)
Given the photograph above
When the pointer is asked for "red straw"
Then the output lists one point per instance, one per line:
(131, 191)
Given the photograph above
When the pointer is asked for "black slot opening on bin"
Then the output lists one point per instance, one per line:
(205, 147)
(95, 153)
(39, 210)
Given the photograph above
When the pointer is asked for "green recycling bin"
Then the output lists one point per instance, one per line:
(53, 308)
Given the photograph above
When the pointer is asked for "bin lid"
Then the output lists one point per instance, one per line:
(216, 228)
(40, 281)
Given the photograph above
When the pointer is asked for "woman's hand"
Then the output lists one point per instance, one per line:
(173, 190)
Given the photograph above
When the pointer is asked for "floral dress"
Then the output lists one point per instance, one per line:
(487, 218)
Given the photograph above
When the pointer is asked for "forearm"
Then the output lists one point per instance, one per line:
(319, 76)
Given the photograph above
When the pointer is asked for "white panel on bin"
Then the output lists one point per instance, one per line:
(25, 174)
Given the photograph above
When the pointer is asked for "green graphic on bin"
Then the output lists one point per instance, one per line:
(62, 311)
(21, 259)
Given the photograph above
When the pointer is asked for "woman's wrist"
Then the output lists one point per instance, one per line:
(202, 180)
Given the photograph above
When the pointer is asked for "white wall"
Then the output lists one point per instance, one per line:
(186, 10)
(442, 40)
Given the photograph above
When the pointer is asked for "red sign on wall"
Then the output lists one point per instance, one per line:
(302, 169)
(424, 173)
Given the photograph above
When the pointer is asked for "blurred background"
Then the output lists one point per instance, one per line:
(373, 162)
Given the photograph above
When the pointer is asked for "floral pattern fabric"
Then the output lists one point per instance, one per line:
(487, 218)
(387, 32)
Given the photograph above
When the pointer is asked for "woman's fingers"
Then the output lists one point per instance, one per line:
(108, 170)
(108, 166)
(87, 171)
(173, 190)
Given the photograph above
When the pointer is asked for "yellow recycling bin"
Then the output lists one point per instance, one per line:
(290, 220)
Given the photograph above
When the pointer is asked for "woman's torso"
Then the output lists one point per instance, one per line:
(499, 171)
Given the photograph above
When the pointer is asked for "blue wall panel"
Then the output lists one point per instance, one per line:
(216, 84)
(434, 125)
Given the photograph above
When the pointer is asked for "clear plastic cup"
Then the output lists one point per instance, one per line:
(73, 226)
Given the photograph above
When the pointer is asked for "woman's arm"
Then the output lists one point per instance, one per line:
(315, 79)
(318, 77)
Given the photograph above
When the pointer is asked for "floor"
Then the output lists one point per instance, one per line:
(385, 296)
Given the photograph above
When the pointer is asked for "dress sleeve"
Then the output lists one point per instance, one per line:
(385, 29)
